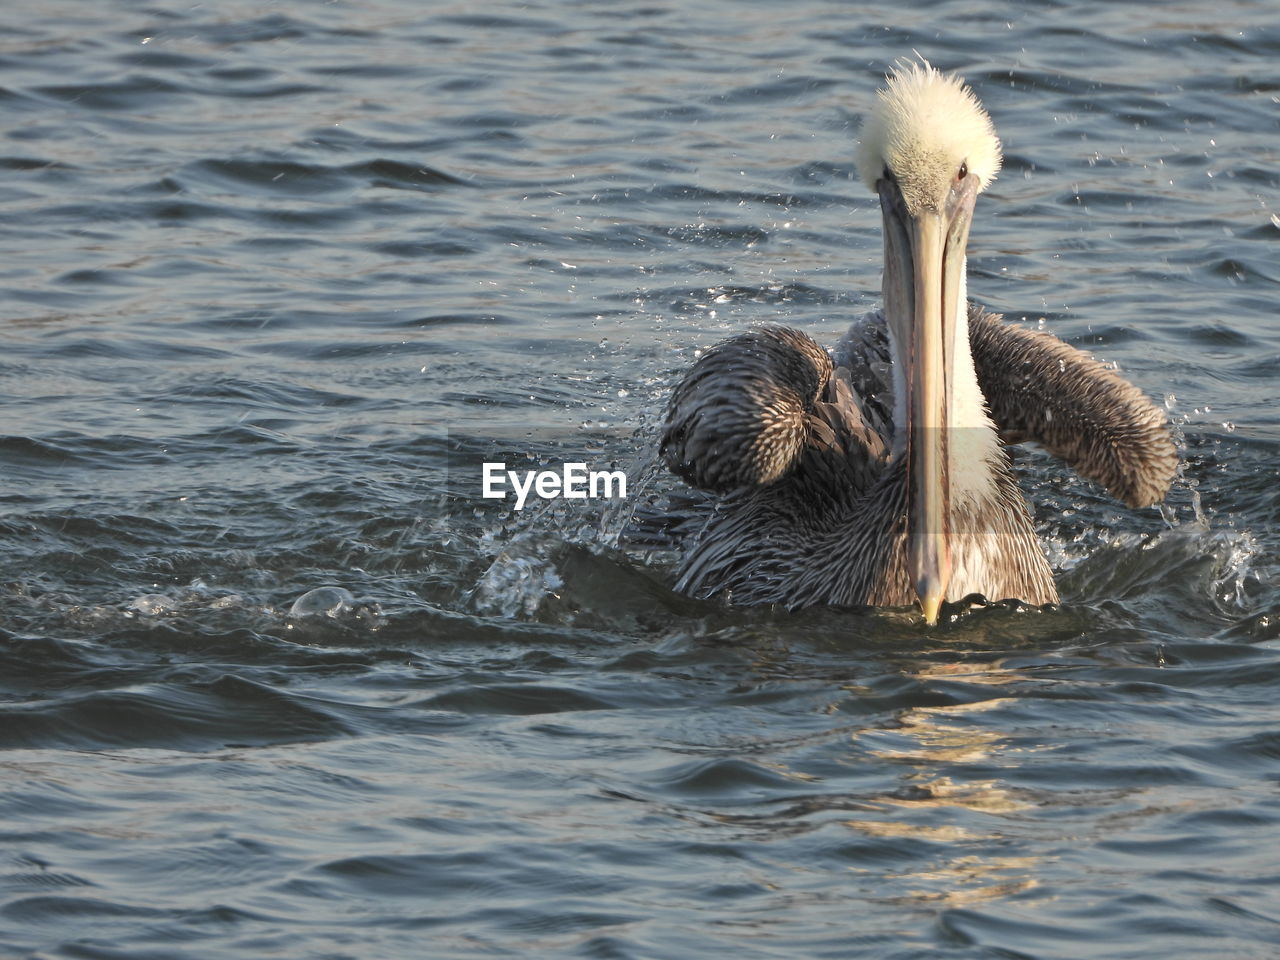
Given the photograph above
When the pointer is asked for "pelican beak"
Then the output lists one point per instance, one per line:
(923, 294)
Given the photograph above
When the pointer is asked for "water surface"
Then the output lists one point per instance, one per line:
(277, 276)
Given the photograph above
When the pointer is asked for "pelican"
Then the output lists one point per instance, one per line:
(876, 474)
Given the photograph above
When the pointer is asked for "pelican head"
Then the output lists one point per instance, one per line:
(928, 148)
(926, 126)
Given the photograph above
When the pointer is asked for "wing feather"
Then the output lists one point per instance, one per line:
(760, 407)
(1039, 388)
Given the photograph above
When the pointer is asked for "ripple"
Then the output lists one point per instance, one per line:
(724, 780)
(523, 700)
(137, 91)
(230, 710)
(52, 909)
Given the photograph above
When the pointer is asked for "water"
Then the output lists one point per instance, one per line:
(277, 682)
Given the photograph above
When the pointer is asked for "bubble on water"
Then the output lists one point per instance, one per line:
(154, 605)
(323, 601)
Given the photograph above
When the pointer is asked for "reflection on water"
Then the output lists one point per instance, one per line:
(928, 804)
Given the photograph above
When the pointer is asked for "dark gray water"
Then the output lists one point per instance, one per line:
(278, 276)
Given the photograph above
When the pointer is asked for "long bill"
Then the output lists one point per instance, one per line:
(923, 294)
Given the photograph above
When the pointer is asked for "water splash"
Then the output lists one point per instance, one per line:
(524, 548)
(519, 578)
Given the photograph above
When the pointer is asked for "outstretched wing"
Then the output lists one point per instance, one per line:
(755, 406)
(1039, 388)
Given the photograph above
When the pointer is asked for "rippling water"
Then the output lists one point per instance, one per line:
(278, 276)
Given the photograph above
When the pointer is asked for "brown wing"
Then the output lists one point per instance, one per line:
(1039, 388)
(756, 406)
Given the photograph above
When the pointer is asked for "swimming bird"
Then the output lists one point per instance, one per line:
(876, 474)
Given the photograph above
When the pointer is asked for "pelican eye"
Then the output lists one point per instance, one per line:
(963, 171)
